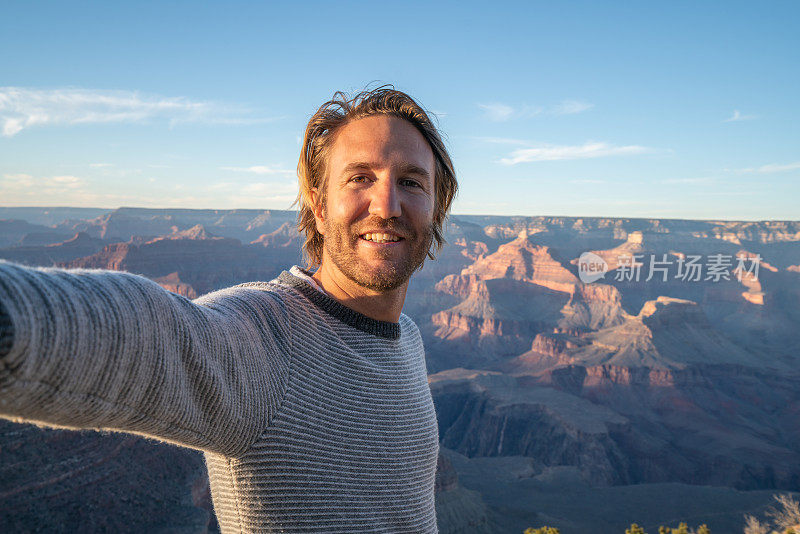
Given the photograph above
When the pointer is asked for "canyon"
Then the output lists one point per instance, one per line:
(674, 373)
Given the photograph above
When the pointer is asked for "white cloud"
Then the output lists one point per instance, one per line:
(11, 126)
(500, 112)
(19, 180)
(571, 107)
(591, 149)
(22, 108)
(780, 168)
(497, 112)
(66, 190)
(737, 116)
(258, 169)
(502, 140)
(771, 168)
(68, 181)
(263, 189)
(697, 180)
(251, 195)
(15, 184)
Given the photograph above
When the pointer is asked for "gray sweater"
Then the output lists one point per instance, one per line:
(312, 417)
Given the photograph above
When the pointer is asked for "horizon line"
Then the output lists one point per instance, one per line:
(712, 219)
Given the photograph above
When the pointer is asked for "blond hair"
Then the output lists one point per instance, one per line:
(321, 134)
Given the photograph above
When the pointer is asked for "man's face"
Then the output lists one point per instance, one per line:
(378, 213)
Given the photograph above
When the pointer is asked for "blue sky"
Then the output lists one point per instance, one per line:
(623, 109)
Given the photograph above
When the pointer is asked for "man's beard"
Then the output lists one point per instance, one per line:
(341, 248)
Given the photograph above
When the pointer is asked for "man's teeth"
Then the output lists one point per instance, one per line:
(381, 238)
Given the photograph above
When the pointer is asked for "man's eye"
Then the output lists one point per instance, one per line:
(360, 178)
(410, 183)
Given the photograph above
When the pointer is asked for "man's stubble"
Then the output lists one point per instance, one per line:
(341, 248)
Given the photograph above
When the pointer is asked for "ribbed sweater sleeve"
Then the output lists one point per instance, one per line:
(111, 350)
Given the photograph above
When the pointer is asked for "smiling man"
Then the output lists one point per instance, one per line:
(308, 394)
(376, 184)
(376, 213)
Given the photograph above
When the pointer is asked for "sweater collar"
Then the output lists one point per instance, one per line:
(338, 310)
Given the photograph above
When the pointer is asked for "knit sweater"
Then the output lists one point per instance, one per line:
(312, 417)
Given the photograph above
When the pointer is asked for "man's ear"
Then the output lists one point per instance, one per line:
(319, 212)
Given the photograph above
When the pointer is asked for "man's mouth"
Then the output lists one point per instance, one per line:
(377, 237)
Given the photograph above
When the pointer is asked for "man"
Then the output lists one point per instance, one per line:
(307, 394)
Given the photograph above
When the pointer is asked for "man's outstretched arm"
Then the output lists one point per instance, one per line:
(111, 350)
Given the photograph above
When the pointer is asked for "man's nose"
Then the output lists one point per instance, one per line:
(385, 202)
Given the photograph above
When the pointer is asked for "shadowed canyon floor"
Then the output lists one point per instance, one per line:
(663, 391)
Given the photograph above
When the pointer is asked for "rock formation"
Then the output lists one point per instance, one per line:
(657, 380)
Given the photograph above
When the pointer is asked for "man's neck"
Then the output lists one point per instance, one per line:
(379, 305)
